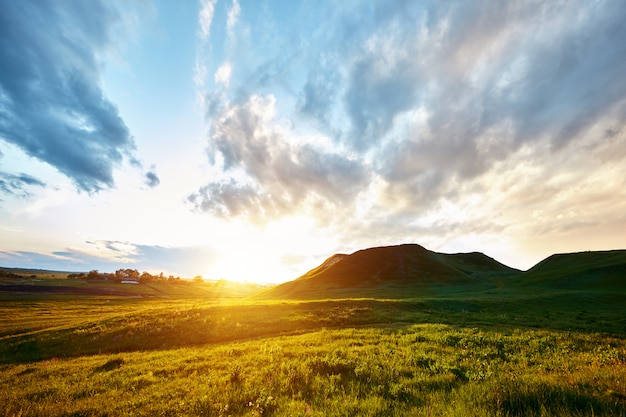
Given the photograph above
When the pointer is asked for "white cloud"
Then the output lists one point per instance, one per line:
(223, 73)
(205, 18)
(122, 252)
(233, 16)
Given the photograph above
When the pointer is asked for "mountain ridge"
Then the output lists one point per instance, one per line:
(410, 269)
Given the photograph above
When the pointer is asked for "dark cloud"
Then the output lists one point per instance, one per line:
(568, 76)
(551, 69)
(51, 98)
(490, 79)
(17, 184)
(363, 71)
(280, 177)
(375, 96)
(318, 100)
(229, 198)
(152, 180)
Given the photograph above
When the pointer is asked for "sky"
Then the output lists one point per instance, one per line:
(251, 140)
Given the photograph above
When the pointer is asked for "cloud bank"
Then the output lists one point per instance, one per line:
(52, 103)
(398, 115)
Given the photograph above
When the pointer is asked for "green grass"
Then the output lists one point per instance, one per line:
(426, 369)
(480, 350)
(43, 330)
(598, 270)
(41, 289)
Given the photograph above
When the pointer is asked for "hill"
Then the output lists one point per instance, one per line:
(392, 271)
(411, 270)
(32, 273)
(581, 270)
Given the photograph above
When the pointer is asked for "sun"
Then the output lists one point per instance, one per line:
(272, 253)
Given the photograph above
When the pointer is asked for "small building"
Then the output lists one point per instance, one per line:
(129, 281)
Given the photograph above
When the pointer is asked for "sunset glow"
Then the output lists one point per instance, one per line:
(251, 140)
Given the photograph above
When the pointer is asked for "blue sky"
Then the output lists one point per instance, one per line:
(250, 140)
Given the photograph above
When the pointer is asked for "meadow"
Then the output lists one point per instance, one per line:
(486, 353)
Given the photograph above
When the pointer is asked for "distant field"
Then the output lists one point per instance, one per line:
(34, 273)
(36, 284)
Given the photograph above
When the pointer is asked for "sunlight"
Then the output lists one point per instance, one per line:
(323, 208)
(272, 253)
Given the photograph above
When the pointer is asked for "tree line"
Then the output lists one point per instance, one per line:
(129, 274)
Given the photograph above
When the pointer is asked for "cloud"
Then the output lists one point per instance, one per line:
(526, 79)
(395, 118)
(233, 16)
(223, 73)
(152, 180)
(205, 18)
(16, 184)
(51, 97)
(38, 260)
(110, 255)
(270, 173)
(109, 250)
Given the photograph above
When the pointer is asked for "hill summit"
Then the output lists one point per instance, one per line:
(391, 271)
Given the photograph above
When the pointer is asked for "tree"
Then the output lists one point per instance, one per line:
(126, 273)
(145, 277)
(93, 274)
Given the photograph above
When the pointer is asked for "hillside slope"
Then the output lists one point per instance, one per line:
(581, 270)
(391, 271)
(412, 270)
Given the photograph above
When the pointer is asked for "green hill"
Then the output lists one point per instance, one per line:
(411, 270)
(392, 271)
(599, 270)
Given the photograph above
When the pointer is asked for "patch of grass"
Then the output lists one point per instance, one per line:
(427, 369)
(37, 331)
(463, 354)
(110, 365)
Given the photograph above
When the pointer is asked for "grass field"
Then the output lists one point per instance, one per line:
(482, 354)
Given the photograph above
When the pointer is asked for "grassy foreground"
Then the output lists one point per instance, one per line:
(548, 355)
